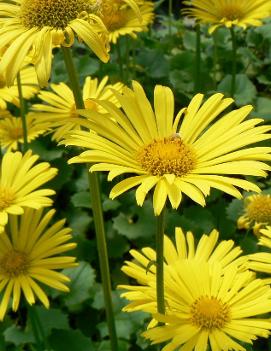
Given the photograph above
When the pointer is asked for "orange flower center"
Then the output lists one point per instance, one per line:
(258, 209)
(14, 263)
(231, 11)
(209, 313)
(52, 13)
(16, 133)
(167, 156)
(6, 198)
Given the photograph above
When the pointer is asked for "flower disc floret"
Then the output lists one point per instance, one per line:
(209, 313)
(167, 156)
(14, 263)
(52, 13)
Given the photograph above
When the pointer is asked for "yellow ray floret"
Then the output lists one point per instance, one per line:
(143, 267)
(211, 309)
(11, 131)
(29, 84)
(261, 261)
(59, 105)
(20, 181)
(34, 27)
(187, 153)
(30, 255)
(241, 13)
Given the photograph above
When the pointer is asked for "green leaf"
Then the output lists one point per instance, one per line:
(245, 90)
(263, 108)
(16, 335)
(51, 319)
(235, 209)
(79, 221)
(82, 279)
(47, 153)
(105, 345)
(155, 63)
(70, 340)
(81, 199)
(140, 224)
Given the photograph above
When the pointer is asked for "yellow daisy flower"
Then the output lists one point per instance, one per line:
(241, 13)
(30, 253)
(19, 183)
(34, 27)
(30, 87)
(143, 267)
(208, 307)
(122, 20)
(261, 261)
(60, 110)
(170, 156)
(11, 131)
(257, 213)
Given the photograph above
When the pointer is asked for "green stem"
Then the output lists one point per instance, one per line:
(170, 17)
(234, 49)
(197, 85)
(160, 262)
(215, 59)
(33, 319)
(120, 61)
(97, 212)
(23, 112)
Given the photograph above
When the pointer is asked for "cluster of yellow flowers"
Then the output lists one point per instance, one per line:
(212, 294)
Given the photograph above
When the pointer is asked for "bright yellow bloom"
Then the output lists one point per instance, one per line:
(60, 110)
(261, 261)
(208, 307)
(241, 13)
(30, 253)
(257, 213)
(30, 87)
(34, 27)
(123, 20)
(170, 155)
(11, 131)
(143, 268)
(19, 183)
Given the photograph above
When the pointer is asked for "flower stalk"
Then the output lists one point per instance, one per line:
(22, 112)
(233, 74)
(97, 211)
(197, 85)
(169, 17)
(160, 262)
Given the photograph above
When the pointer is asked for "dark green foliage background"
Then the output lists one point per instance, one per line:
(76, 321)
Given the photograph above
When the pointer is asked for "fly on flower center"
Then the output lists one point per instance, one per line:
(6, 198)
(167, 156)
(14, 263)
(259, 209)
(52, 13)
(209, 313)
